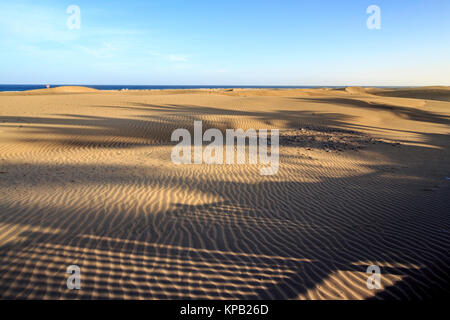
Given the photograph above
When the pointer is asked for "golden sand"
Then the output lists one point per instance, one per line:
(86, 179)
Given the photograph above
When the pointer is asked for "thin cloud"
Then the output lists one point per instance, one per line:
(106, 50)
(169, 57)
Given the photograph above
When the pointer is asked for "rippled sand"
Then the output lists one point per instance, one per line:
(86, 179)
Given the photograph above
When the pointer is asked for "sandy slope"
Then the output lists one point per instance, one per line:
(86, 179)
(55, 90)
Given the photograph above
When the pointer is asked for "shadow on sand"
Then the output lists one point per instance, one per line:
(251, 245)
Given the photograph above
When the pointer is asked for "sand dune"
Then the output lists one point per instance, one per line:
(356, 90)
(86, 179)
(430, 93)
(55, 90)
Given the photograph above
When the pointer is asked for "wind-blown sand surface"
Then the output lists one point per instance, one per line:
(86, 179)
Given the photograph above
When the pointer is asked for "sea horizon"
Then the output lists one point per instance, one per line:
(25, 87)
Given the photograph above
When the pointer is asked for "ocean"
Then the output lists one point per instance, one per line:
(23, 87)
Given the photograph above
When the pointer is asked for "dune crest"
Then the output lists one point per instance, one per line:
(356, 90)
(62, 89)
(440, 93)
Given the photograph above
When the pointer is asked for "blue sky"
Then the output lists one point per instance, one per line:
(225, 42)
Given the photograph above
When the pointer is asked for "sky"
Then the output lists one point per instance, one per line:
(229, 42)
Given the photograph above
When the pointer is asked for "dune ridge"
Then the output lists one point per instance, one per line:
(53, 90)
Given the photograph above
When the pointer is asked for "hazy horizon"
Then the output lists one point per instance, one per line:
(205, 86)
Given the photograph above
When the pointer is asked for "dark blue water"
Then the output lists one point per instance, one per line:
(23, 87)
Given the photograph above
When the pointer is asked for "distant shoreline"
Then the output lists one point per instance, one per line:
(26, 87)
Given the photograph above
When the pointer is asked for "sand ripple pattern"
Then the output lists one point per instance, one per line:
(97, 189)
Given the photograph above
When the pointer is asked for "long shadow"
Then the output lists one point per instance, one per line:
(151, 128)
(438, 94)
(250, 245)
(400, 111)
